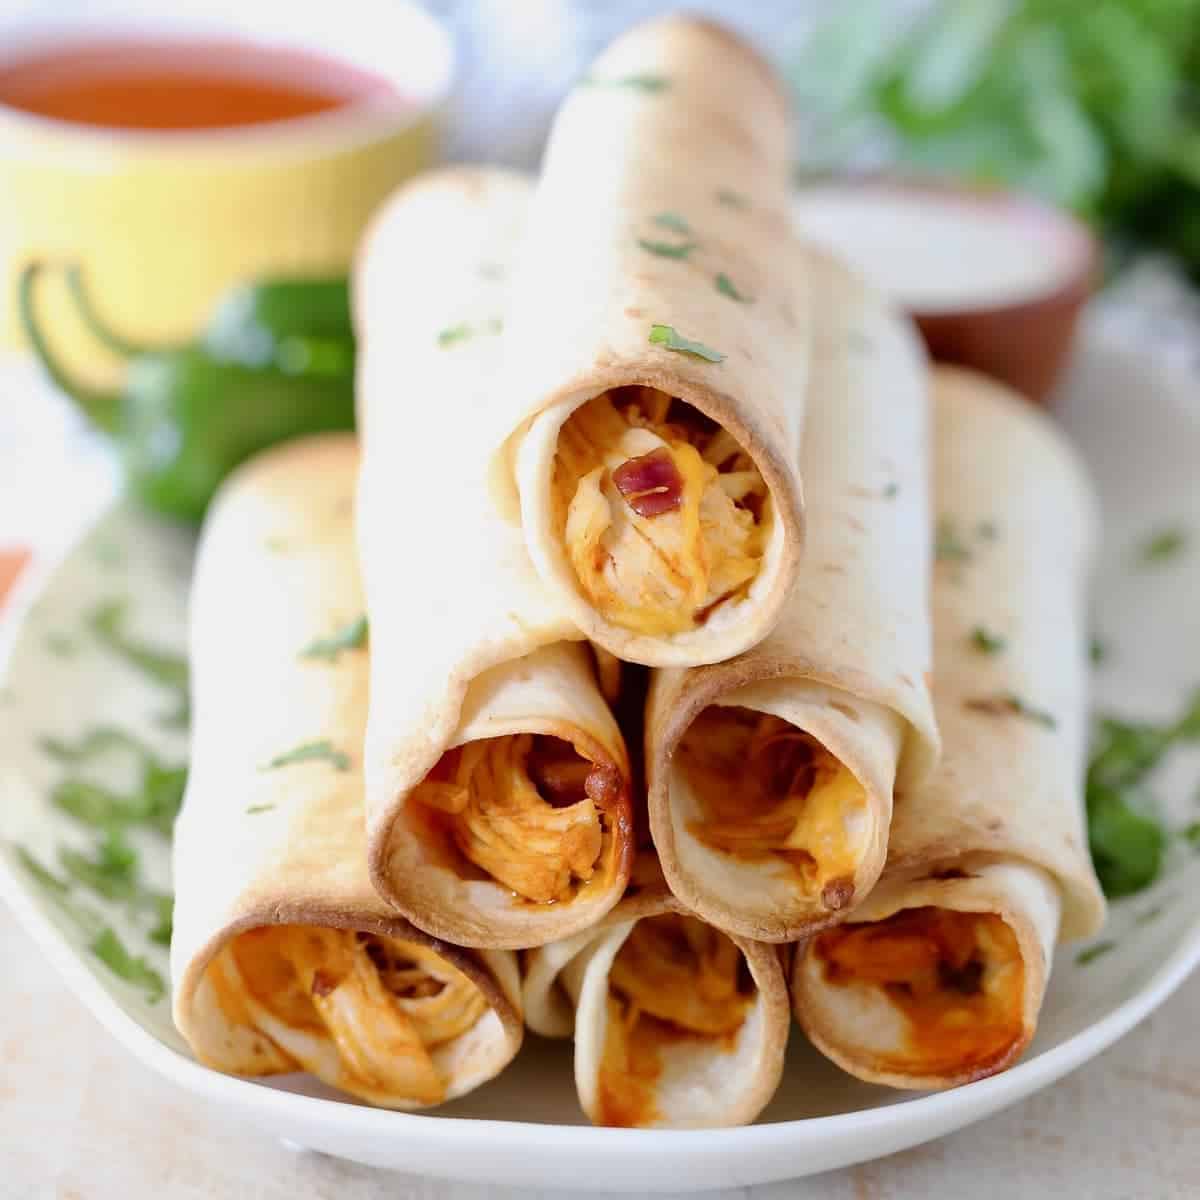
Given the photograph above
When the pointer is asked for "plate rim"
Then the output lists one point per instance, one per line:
(908, 1122)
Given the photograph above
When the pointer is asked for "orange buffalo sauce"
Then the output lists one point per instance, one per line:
(957, 977)
(184, 84)
(767, 790)
(674, 980)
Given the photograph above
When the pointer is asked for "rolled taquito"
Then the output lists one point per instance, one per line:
(284, 958)
(498, 809)
(656, 351)
(676, 1024)
(939, 976)
(771, 776)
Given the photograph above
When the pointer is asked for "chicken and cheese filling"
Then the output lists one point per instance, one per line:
(361, 1011)
(663, 515)
(526, 810)
(674, 979)
(957, 978)
(767, 790)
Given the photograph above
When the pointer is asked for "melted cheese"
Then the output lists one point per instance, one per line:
(361, 1012)
(659, 574)
(770, 791)
(674, 980)
(957, 978)
(500, 822)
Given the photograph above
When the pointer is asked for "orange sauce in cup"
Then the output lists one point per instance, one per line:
(177, 85)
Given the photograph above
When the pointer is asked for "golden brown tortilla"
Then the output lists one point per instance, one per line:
(999, 829)
(270, 846)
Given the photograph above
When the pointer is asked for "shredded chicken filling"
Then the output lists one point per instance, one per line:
(526, 809)
(957, 978)
(674, 979)
(767, 790)
(361, 1011)
(663, 515)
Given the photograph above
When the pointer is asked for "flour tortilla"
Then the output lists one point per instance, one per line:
(677, 117)
(465, 641)
(1006, 806)
(566, 988)
(286, 846)
(849, 661)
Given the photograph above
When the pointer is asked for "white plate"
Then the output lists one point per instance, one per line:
(1140, 428)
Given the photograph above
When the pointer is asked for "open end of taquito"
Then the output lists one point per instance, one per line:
(521, 831)
(367, 1004)
(657, 350)
(658, 525)
(676, 1024)
(771, 776)
(779, 803)
(283, 957)
(497, 779)
(936, 981)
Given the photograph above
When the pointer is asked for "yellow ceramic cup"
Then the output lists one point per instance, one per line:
(163, 222)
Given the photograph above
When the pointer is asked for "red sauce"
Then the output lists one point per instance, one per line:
(192, 84)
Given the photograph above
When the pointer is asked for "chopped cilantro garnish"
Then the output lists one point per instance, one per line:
(352, 636)
(726, 287)
(1191, 835)
(947, 545)
(1093, 952)
(259, 808)
(95, 743)
(667, 337)
(107, 623)
(319, 751)
(112, 873)
(453, 334)
(640, 83)
(667, 249)
(891, 490)
(155, 804)
(42, 875)
(1127, 843)
(986, 642)
(1097, 651)
(1009, 704)
(672, 221)
(730, 199)
(111, 951)
(987, 531)
(163, 907)
(1163, 545)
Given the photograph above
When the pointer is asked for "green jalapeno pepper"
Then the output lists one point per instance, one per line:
(183, 419)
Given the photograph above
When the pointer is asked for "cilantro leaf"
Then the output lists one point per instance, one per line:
(948, 546)
(1162, 546)
(672, 221)
(1011, 704)
(352, 636)
(135, 970)
(319, 751)
(1093, 952)
(641, 83)
(668, 249)
(667, 337)
(986, 642)
(726, 287)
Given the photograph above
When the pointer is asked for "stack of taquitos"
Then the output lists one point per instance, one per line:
(939, 976)
(586, 410)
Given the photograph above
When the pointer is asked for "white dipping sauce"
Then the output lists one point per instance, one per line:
(943, 251)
